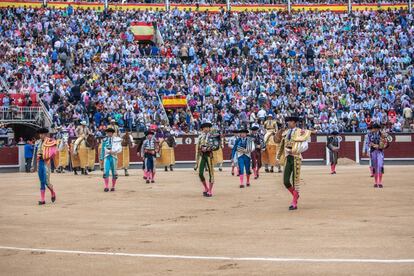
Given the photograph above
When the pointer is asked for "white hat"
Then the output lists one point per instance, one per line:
(83, 123)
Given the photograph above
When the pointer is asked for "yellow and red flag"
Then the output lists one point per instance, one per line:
(174, 102)
(142, 30)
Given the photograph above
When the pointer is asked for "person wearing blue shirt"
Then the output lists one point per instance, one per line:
(109, 156)
(154, 50)
(28, 154)
(69, 10)
(98, 118)
(242, 150)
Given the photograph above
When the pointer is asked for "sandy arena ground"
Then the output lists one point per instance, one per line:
(340, 217)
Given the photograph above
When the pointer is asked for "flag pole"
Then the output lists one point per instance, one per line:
(289, 6)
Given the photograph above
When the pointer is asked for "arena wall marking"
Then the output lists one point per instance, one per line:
(213, 258)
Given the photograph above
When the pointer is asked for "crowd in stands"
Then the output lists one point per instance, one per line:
(337, 71)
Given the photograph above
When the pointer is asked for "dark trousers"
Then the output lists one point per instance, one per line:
(28, 164)
(206, 163)
(149, 162)
(289, 171)
(257, 159)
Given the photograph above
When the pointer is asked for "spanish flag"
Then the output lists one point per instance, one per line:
(142, 30)
(174, 102)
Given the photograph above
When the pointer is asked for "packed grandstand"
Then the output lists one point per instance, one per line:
(338, 71)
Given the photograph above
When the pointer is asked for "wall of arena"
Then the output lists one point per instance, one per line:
(401, 149)
(209, 8)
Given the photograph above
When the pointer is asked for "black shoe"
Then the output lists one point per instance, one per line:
(126, 173)
(291, 207)
(147, 181)
(205, 194)
(86, 172)
(256, 177)
(209, 195)
(89, 170)
(279, 171)
(272, 171)
(241, 186)
(166, 168)
(53, 198)
(112, 189)
(75, 172)
(376, 186)
(152, 181)
(380, 186)
(220, 169)
(106, 190)
(171, 168)
(42, 202)
(267, 170)
(248, 184)
(232, 173)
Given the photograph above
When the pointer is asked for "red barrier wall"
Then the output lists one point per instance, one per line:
(185, 151)
(9, 156)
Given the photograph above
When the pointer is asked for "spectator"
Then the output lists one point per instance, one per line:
(333, 69)
(28, 154)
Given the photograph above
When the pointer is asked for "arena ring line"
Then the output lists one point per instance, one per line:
(212, 258)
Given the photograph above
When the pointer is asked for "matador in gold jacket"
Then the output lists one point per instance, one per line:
(293, 144)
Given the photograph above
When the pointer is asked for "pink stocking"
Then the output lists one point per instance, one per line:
(295, 195)
(205, 186)
(51, 191)
(241, 179)
(42, 195)
(210, 190)
(113, 182)
(106, 180)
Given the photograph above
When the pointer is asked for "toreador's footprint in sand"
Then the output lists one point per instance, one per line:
(37, 253)
(228, 266)
(180, 218)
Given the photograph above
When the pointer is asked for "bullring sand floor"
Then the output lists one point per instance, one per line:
(237, 232)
